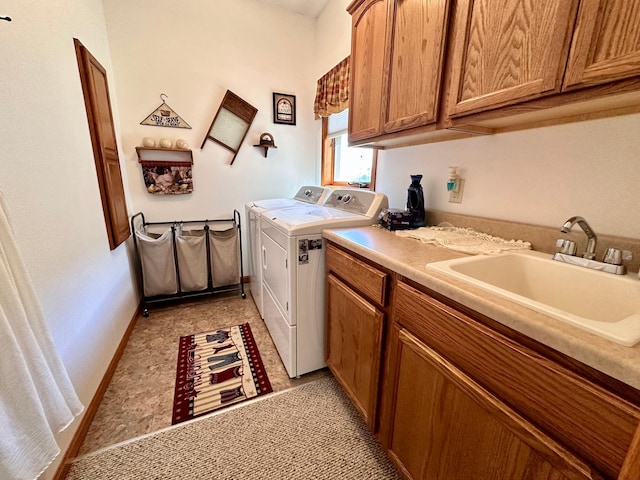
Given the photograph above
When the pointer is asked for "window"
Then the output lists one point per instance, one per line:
(341, 164)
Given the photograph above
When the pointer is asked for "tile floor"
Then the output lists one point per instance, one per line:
(139, 398)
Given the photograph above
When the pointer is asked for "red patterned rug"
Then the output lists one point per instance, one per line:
(217, 369)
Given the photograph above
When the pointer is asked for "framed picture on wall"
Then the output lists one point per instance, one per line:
(284, 108)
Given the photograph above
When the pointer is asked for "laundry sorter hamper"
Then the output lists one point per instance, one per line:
(180, 259)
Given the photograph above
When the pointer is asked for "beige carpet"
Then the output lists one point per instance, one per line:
(308, 432)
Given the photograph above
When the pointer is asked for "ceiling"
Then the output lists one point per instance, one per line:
(309, 8)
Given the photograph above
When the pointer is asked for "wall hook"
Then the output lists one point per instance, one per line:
(8, 19)
(266, 142)
(163, 95)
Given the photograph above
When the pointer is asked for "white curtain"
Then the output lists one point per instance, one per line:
(37, 398)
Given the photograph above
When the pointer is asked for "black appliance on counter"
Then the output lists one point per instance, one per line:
(413, 216)
(415, 201)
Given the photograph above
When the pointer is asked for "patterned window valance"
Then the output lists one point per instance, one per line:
(332, 94)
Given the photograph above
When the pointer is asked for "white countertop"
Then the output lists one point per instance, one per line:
(408, 257)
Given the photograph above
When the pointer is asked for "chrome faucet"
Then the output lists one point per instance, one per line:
(590, 252)
(612, 261)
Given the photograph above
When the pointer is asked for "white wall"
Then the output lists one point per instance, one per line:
(333, 36)
(50, 185)
(539, 176)
(193, 52)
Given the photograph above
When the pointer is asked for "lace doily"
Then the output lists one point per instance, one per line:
(466, 240)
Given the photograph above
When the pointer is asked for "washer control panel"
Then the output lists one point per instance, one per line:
(364, 202)
(312, 194)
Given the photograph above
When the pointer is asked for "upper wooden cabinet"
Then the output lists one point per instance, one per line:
(416, 40)
(508, 51)
(429, 70)
(606, 43)
(397, 55)
(368, 32)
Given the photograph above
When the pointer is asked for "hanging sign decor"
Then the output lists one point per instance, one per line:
(164, 116)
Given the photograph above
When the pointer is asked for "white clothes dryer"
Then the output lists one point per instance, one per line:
(306, 195)
(293, 271)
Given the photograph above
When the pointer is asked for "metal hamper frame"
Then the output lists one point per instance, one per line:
(180, 294)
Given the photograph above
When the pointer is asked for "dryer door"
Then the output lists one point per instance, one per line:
(275, 271)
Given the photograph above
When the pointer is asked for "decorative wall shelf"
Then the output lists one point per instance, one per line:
(266, 142)
(151, 154)
(266, 148)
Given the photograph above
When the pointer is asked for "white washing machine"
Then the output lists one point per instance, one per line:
(306, 195)
(293, 271)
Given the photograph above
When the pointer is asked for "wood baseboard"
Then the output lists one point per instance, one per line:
(81, 432)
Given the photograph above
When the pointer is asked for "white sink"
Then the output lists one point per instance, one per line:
(605, 304)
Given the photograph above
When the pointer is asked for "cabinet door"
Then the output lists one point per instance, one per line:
(416, 38)
(508, 51)
(460, 430)
(354, 346)
(606, 43)
(93, 77)
(367, 65)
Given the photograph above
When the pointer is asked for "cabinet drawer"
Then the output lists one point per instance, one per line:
(367, 280)
(592, 422)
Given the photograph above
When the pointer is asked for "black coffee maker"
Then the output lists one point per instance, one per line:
(415, 202)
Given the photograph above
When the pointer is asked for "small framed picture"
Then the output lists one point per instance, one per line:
(284, 108)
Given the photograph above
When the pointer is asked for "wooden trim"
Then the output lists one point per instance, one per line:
(327, 169)
(631, 465)
(578, 99)
(92, 409)
(374, 169)
(326, 155)
(472, 130)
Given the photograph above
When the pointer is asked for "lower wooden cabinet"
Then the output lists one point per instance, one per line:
(496, 400)
(445, 426)
(354, 345)
(453, 395)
